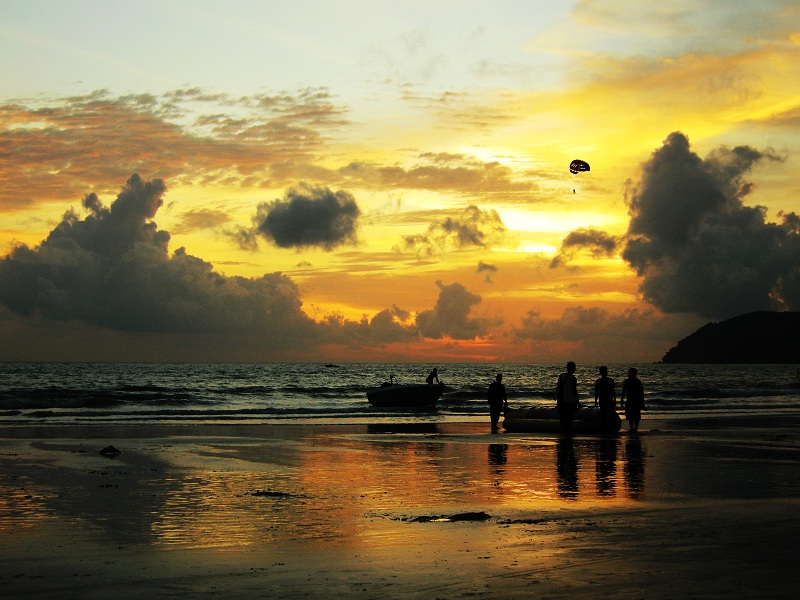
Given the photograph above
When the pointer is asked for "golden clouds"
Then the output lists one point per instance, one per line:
(463, 170)
(60, 148)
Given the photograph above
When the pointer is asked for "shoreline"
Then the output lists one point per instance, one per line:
(687, 427)
(391, 510)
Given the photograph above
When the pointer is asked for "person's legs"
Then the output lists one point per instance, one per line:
(566, 416)
(494, 413)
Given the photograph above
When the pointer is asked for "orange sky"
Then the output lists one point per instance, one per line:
(397, 193)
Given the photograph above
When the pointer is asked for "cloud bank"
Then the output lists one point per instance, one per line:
(59, 147)
(112, 270)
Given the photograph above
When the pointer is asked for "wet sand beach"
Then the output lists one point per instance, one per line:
(686, 509)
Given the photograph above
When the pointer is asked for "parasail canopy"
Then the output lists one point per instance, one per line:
(576, 166)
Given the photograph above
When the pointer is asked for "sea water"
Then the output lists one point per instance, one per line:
(159, 393)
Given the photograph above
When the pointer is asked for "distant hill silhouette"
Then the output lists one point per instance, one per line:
(757, 337)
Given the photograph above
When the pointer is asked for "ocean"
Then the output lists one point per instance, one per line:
(150, 393)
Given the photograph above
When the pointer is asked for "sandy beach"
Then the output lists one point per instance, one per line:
(685, 510)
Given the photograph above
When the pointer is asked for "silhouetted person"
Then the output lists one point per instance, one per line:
(434, 375)
(634, 390)
(567, 398)
(498, 401)
(605, 397)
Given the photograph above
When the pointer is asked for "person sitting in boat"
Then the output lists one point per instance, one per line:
(434, 375)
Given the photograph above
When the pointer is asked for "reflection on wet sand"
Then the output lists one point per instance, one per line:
(567, 468)
(498, 456)
(239, 492)
(634, 467)
(573, 456)
(315, 511)
(605, 466)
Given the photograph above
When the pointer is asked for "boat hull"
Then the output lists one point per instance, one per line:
(545, 420)
(408, 395)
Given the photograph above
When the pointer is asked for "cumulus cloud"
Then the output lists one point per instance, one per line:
(698, 248)
(451, 315)
(598, 243)
(110, 275)
(112, 269)
(307, 216)
(387, 326)
(473, 228)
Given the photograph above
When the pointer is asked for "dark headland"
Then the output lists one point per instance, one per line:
(757, 338)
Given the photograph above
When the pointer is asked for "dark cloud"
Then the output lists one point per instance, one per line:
(598, 243)
(109, 281)
(450, 317)
(112, 269)
(307, 216)
(473, 228)
(698, 248)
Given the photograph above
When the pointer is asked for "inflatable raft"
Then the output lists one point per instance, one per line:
(545, 420)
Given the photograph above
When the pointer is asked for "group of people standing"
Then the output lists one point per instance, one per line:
(567, 402)
(605, 396)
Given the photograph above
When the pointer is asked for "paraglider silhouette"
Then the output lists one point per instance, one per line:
(577, 166)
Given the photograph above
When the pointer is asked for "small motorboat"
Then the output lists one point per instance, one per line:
(409, 395)
(545, 420)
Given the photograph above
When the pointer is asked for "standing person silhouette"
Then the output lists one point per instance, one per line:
(497, 400)
(567, 398)
(605, 396)
(633, 388)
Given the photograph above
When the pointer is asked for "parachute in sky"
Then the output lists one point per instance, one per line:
(576, 166)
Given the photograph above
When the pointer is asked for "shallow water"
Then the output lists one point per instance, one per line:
(130, 393)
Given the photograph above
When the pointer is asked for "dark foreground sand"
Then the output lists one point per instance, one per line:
(448, 511)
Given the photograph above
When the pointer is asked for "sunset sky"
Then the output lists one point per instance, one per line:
(376, 181)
